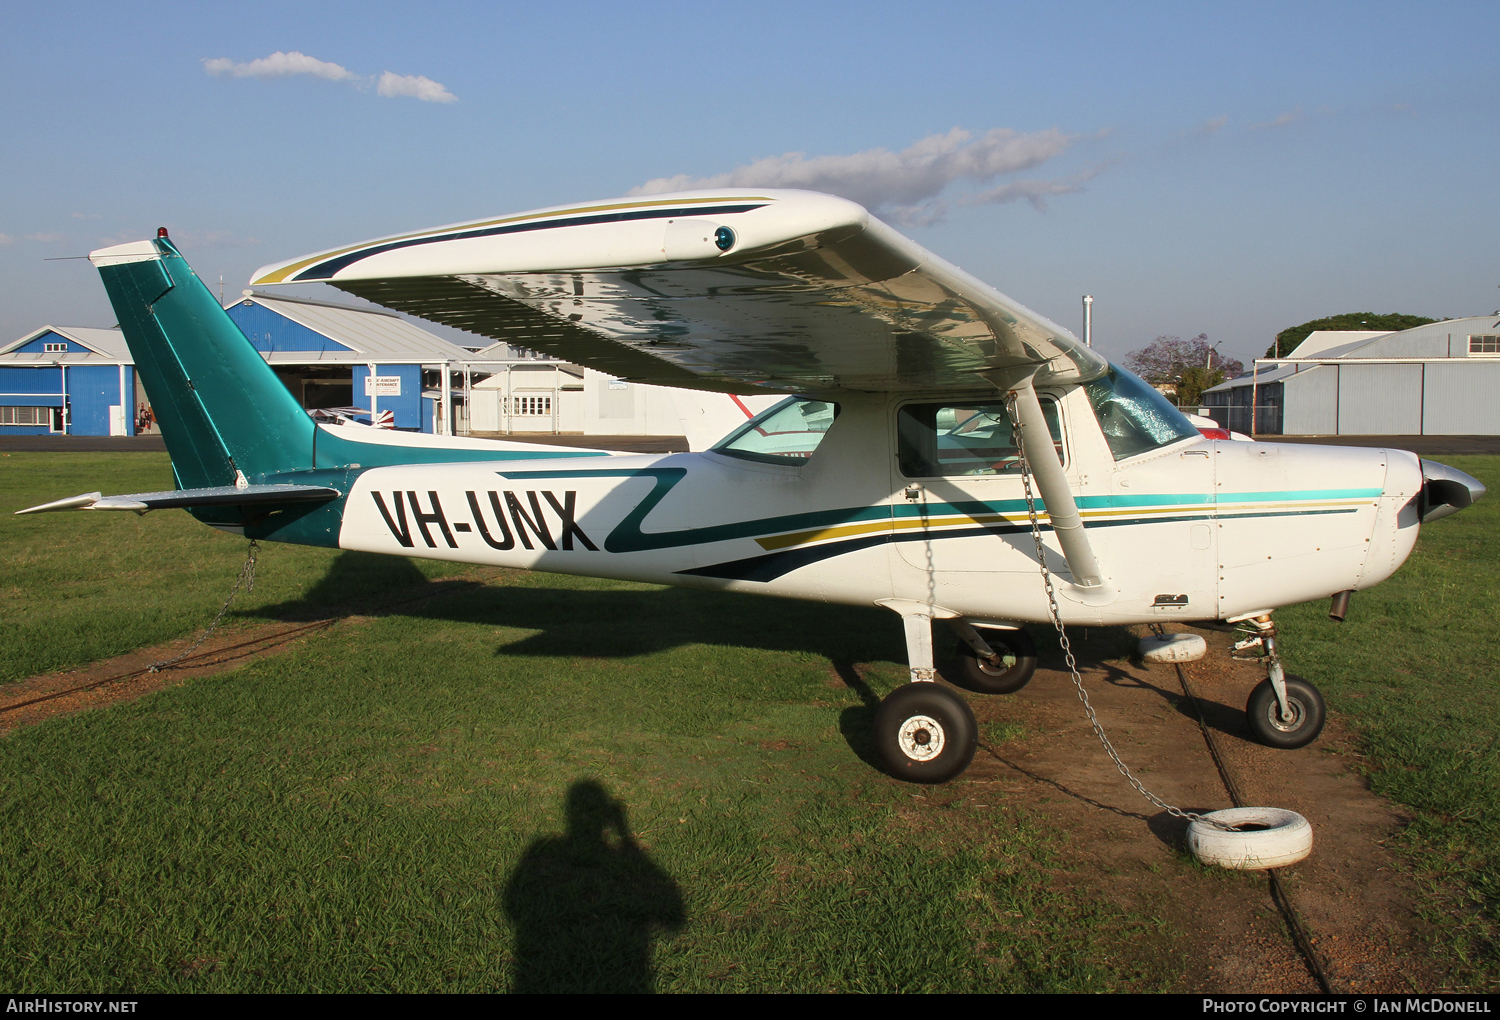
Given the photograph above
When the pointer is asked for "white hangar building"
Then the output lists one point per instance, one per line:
(1441, 379)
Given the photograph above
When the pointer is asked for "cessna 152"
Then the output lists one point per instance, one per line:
(925, 407)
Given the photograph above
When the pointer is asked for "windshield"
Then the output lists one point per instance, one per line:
(787, 433)
(1134, 416)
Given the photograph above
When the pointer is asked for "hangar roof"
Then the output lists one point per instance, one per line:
(353, 335)
(1320, 340)
(1444, 340)
(86, 346)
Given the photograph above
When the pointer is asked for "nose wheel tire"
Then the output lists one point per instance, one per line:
(1014, 670)
(925, 733)
(1270, 727)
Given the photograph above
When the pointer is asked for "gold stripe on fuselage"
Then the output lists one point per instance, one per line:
(944, 522)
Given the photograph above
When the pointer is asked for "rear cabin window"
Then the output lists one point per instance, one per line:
(1135, 417)
(786, 433)
(941, 440)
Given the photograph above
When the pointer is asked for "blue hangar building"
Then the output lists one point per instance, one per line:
(68, 379)
(81, 381)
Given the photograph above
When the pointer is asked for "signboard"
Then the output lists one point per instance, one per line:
(382, 386)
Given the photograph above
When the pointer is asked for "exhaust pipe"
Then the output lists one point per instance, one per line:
(1339, 607)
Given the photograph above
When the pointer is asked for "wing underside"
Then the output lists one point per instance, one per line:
(780, 292)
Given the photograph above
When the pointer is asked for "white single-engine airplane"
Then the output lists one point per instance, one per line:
(926, 406)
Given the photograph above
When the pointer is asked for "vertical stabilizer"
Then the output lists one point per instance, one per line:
(222, 410)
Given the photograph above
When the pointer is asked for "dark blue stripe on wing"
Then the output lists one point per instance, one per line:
(324, 270)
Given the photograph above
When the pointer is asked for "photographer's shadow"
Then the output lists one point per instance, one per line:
(585, 906)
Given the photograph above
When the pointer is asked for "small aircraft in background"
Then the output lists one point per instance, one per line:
(945, 453)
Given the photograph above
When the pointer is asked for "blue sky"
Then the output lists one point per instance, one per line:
(1228, 169)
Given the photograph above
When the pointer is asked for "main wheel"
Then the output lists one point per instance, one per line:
(925, 733)
(1307, 711)
(1014, 670)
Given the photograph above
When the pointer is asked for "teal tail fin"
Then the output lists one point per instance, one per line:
(222, 410)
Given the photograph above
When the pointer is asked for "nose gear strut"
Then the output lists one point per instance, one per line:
(1067, 646)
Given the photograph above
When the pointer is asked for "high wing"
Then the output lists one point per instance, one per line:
(734, 291)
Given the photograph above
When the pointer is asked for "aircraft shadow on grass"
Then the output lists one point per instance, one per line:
(580, 623)
(586, 906)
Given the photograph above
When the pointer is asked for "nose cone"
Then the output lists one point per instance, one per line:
(1446, 490)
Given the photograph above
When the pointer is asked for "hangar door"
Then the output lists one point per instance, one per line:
(1380, 400)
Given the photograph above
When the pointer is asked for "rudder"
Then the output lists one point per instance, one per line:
(222, 410)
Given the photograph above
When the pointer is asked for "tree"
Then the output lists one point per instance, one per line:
(1288, 339)
(1188, 367)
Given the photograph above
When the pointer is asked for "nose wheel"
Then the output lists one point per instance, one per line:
(1284, 711)
(925, 733)
(1296, 726)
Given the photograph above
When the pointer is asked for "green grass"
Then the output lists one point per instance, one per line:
(77, 587)
(1417, 670)
(382, 807)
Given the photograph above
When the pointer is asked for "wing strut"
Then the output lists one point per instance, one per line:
(1062, 511)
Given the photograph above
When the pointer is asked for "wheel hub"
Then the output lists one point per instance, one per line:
(921, 738)
(1292, 721)
(1003, 664)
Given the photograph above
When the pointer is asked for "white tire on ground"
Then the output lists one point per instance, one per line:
(1278, 838)
(1173, 648)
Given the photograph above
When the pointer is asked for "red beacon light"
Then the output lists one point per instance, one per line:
(161, 231)
(1215, 433)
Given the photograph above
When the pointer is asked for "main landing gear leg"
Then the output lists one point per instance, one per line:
(923, 731)
(1283, 711)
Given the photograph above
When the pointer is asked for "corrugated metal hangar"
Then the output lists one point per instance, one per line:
(1441, 379)
(68, 379)
(331, 355)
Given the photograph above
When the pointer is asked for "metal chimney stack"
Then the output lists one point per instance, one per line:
(1088, 320)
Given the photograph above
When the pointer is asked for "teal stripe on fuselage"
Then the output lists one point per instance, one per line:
(1292, 495)
(628, 537)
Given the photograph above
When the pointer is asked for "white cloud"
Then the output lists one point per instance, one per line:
(1283, 120)
(1213, 125)
(280, 65)
(85, 216)
(6, 239)
(414, 85)
(904, 185)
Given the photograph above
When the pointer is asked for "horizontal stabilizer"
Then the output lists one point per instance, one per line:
(220, 495)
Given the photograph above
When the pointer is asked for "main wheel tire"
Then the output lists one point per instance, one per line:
(925, 733)
(1017, 663)
(1306, 705)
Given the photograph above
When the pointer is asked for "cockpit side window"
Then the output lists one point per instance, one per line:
(1134, 417)
(786, 433)
(945, 440)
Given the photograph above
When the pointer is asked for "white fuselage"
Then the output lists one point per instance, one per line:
(1197, 530)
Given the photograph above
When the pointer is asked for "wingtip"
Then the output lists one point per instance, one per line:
(71, 503)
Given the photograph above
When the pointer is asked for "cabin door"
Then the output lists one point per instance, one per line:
(959, 502)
